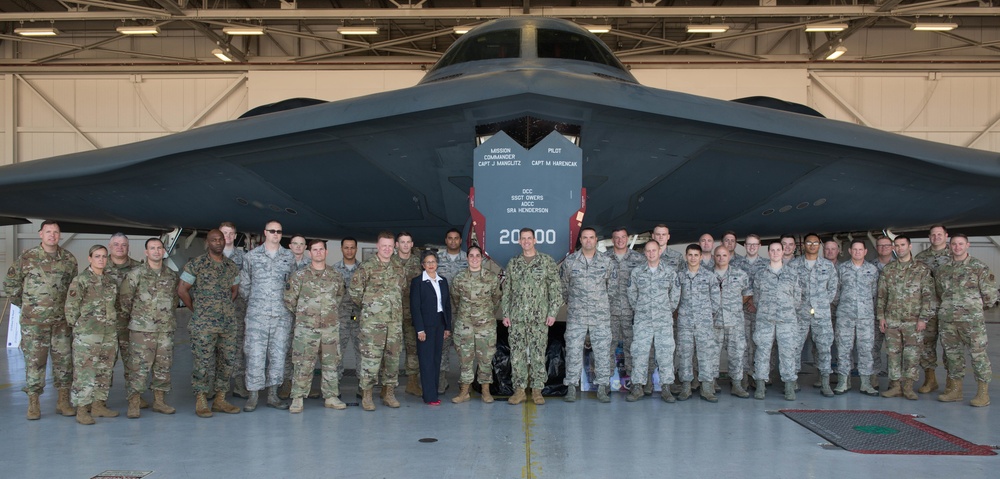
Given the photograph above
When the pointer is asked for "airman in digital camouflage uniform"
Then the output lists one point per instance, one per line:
(235, 253)
(624, 260)
(654, 293)
(37, 283)
(377, 288)
(735, 260)
(904, 304)
(819, 282)
(585, 282)
(148, 300)
(855, 314)
(92, 313)
(313, 295)
(696, 318)
(966, 287)
(734, 292)
(475, 294)
(451, 261)
(531, 300)
(776, 293)
(411, 268)
(752, 263)
(707, 244)
(349, 312)
(119, 264)
(934, 257)
(675, 260)
(209, 286)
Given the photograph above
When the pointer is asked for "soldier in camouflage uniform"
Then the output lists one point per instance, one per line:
(585, 282)
(883, 249)
(966, 287)
(313, 295)
(934, 257)
(349, 312)
(148, 299)
(697, 313)
(734, 292)
(265, 271)
(235, 253)
(411, 268)
(475, 294)
(904, 304)
(119, 264)
(92, 313)
(209, 286)
(451, 261)
(855, 314)
(776, 293)
(531, 300)
(623, 260)
(297, 245)
(377, 288)
(37, 283)
(819, 282)
(653, 293)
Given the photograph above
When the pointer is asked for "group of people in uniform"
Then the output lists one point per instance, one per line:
(264, 317)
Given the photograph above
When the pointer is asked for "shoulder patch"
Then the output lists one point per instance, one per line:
(72, 292)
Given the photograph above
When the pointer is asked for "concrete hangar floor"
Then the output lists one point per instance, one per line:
(649, 438)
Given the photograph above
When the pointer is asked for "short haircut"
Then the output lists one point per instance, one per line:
(96, 247)
(588, 228)
(716, 250)
(227, 224)
(271, 221)
(119, 235)
(661, 225)
(620, 228)
(692, 247)
(776, 242)
(297, 236)
(402, 234)
(426, 253)
(730, 232)
(752, 235)
(47, 223)
(882, 238)
(314, 241)
(349, 239)
(453, 230)
(386, 235)
(939, 226)
(960, 235)
(861, 242)
(782, 237)
(526, 229)
(150, 240)
(812, 234)
(902, 237)
(650, 243)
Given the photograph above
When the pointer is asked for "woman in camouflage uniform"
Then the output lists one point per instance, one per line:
(475, 294)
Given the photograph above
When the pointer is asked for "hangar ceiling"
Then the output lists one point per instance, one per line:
(305, 32)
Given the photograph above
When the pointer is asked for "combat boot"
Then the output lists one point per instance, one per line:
(982, 398)
(866, 387)
(602, 393)
(220, 404)
(272, 399)
(894, 390)
(100, 409)
(930, 382)
(873, 381)
(667, 396)
(843, 385)
(487, 397)
(789, 390)
(133, 407)
(240, 387)
(708, 392)
(685, 391)
(285, 391)
(389, 396)
(142, 403)
(570, 393)
(636, 393)
(463, 394)
(907, 385)
(536, 396)
(160, 406)
(34, 409)
(825, 386)
(442, 384)
(334, 403)
(296, 406)
(746, 382)
(83, 416)
(648, 388)
(738, 390)
(761, 389)
(413, 386)
(201, 406)
(251, 404)
(954, 394)
(518, 397)
(62, 404)
(366, 400)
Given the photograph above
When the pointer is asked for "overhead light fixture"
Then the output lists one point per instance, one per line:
(934, 27)
(709, 28)
(837, 53)
(372, 30)
(827, 27)
(461, 30)
(37, 32)
(595, 29)
(243, 30)
(221, 55)
(139, 30)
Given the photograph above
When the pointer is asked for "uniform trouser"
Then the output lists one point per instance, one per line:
(645, 334)
(309, 343)
(600, 342)
(787, 335)
(240, 361)
(700, 337)
(734, 339)
(381, 340)
(956, 336)
(37, 343)
(928, 352)
(349, 330)
(93, 362)
(903, 342)
(208, 350)
(151, 352)
(528, 340)
(266, 344)
(288, 353)
(412, 366)
(476, 345)
(429, 352)
(622, 331)
(822, 336)
(748, 352)
(879, 339)
(851, 333)
(123, 352)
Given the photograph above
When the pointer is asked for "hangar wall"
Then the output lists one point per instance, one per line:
(50, 114)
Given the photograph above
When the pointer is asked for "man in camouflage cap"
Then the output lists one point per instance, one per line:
(37, 283)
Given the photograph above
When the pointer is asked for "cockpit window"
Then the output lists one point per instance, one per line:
(487, 46)
(573, 46)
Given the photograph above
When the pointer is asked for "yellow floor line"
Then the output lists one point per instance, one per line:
(529, 471)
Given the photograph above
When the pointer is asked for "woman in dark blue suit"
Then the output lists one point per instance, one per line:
(430, 307)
